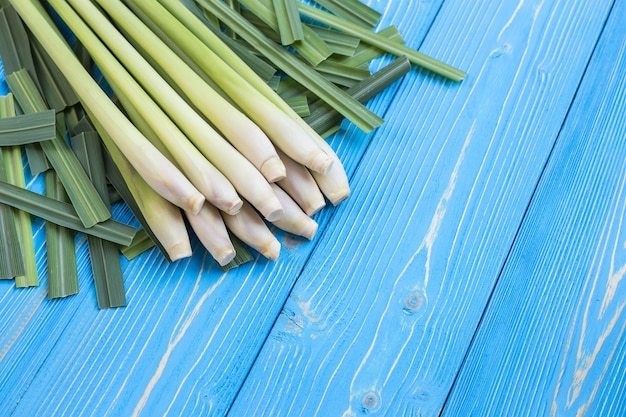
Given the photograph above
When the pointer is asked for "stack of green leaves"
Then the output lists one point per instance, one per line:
(213, 123)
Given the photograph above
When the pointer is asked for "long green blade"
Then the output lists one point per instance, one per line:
(60, 249)
(352, 10)
(312, 80)
(85, 198)
(14, 171)
(27, 128)
(63, 214)
(290, 26)
(311, 47)
(323, 118)
(105, 259)
(370, 37)
(11, 261)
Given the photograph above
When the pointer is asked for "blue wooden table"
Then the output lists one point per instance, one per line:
(477, 269)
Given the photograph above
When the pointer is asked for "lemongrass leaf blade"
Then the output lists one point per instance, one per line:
(337, 98)
(370, 37)
(28, 128)
(290, 26)
(365, 53)
(324, 118)
(104, 255)
(60, 249)
(14, 171)
(140, 244)
(11, 259)
(339, 43)
(82, 193)
(62, 214)
(352, 10)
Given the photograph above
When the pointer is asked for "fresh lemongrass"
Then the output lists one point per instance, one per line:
(283, 132)
(248, 226)
(27, 128)
(204, 176)
(16, 55)
(339, 43)
(334, 184)
(352, 10)
(311, 47)
(304, 74)
(242, 254)
(215, 187)
(211, 231)
(301, 186)
(162, 218)
(14, 171)
(294, 220)
(62, 214)
(341, 74)
(89, 206)
(289, 24)
(365, 53)
(323, 117)
(60, 249)
(300, 104)
(140, 244)
(370, 37)
(56, 90)
(11, 259)
(104, 256)
(156, 170)
(242, 132)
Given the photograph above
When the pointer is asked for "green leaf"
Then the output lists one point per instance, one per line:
(60, 249)
(27, 128)
(82, 194)
(63, 214)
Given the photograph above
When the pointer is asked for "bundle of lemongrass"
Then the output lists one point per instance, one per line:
(221, 108)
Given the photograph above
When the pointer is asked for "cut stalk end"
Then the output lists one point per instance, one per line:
(272, 250)
(179, 250)
(273, 169)
(321, 163)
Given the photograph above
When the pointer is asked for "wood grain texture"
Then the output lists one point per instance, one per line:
(380, 320)
(553, 338)
(184, 344)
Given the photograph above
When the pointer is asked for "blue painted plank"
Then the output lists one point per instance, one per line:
(553, 338)
(188, 337)
(382, 316)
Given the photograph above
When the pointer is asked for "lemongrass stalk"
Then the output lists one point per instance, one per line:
(242, 132)
(248, 226)
(152, 121)
(164, 219)
(360, 115)
(334, 184)
(283, 132)
(215, 187)
(156, 170)
(246, 179)
(301, 186)
(211, 231)
(294, 220)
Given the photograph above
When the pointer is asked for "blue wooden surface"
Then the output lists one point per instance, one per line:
(466, 274)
